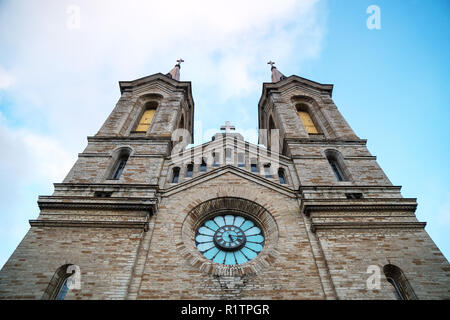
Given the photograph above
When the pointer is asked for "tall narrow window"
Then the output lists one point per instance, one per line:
(121, 160)
(395, 288)
(305, 117)
(189, 170)
(269, 133)
(59, 284)
(241, 160)
(175, 174)
(281, 176)
(228, 154)
(63, 290)
(400, 285)
(336, 170)
(254, 167)
(181, 124)
(203, 165)
(216, 157)
(147, 117)
(267, 170)
(120, 166)
(336, 163)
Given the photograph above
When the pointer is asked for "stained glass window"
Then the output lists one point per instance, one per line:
(229, 239)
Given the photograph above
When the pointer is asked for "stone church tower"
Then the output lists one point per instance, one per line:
(309, 216)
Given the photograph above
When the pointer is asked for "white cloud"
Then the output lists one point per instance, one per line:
(33, 157)
(63, 81)
(6, 79)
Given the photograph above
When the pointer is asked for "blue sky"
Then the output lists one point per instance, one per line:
(58, 84)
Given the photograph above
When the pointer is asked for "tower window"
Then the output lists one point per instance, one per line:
(189, 170)
(120, 166)
(400, 285)
(336, 170)
(281, 176)
(120, 163)
(396, 289)
(336, 163)
(175, 174)
(147, 117)
(59, 284)
(305, 117)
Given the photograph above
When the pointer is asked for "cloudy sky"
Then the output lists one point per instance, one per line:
(60, 63)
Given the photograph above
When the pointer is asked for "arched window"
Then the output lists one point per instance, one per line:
(336, 163)
(267, 171)
(281, 176)
(203, 165)
(58, 287)
(175, 174)
(269, 133)
(181, 124)
(147, 116)
(400, 285)
(121, 158)
(189, 170)
(305, 117)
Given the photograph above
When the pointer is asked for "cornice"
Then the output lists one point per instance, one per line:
(90, 224)
(82, 203)
(359, 205)
(367, 225)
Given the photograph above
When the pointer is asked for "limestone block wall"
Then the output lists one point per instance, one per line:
(168, 274)
(105, 256)
(95, 164)
(349, 253)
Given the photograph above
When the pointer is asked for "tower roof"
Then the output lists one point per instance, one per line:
(175, 72)
(276, 75)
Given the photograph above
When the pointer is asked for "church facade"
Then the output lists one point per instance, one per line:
(309, 215)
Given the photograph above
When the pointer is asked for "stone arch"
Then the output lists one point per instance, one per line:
(309, 105)
(118, 155)
(145, 103)
(337, 164)
(56, 283)
(396, 277)
(213, 207)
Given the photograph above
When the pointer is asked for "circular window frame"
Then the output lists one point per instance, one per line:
(209, 209)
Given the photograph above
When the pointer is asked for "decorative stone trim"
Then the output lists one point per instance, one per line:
(307, 209)
(367, 225)
(90, 224)
(97, 206)
(185, 235)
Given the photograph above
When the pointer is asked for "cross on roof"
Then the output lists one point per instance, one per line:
(227, 127)
(271, 63)
(179, 61)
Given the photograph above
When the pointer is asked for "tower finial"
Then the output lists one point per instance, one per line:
(276, 75)
(175, 72)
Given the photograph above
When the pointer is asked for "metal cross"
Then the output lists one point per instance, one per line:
(179, 61)
(227, 127)
(271, 63)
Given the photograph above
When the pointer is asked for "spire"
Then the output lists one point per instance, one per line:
(276, 75)
(175, 72)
